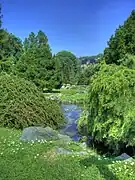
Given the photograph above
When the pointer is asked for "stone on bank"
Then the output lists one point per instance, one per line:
(40, 133)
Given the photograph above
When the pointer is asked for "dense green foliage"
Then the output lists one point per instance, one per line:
(36, 64)
(122, 42)
(68, 67)
(111, 106)
(10, 51)
(82, 124)
(22, 105)
(87, 71)
(128, 60)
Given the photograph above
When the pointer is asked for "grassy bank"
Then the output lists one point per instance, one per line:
(39, 161)
(75, 95)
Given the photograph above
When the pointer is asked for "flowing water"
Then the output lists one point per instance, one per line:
(72, 113)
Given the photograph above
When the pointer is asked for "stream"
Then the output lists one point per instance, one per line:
(71, 113)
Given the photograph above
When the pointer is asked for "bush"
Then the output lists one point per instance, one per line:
(111, 106)
(82, 124)
(22, 105)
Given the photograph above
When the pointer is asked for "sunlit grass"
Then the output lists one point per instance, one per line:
(75, 95)
(39, 161)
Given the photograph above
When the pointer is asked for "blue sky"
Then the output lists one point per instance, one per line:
(80, 26)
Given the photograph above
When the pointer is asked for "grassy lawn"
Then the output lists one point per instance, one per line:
(75, 95)
(39, 161)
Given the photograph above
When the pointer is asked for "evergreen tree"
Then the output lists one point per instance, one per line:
(36, 64)
(10, 48)
(122, 42)
(68, 66)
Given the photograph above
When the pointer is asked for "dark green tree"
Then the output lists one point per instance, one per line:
(87, 71)
(10, 48)
(68, 67)
(37, 64)
(122, 42)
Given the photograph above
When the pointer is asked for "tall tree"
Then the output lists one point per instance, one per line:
(68, 66)
(122, 42)
(37, 64)
(10, 48)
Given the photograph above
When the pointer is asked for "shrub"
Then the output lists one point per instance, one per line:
(22, 105)
(82, 124)
(111, 106)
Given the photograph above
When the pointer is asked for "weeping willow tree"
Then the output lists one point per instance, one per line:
(111, 107)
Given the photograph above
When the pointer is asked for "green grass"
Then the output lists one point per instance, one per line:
(74, 95)
(39, 161)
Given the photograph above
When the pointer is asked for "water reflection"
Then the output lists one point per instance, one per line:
(72, 113)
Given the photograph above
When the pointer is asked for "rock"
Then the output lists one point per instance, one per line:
(64, 138)
(39, 133)
(83, 145)
(66, 152)
(63, 151)
(124, 156)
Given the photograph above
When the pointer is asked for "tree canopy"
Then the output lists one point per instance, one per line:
(36, 63)
(122, 42)
(68, 66)
(111, 106)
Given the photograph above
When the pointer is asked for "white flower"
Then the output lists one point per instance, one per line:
(12, 142)
(119, 168)
(132, 163)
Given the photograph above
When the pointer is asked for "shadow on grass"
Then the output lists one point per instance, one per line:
(101, 165)
(53, 91)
